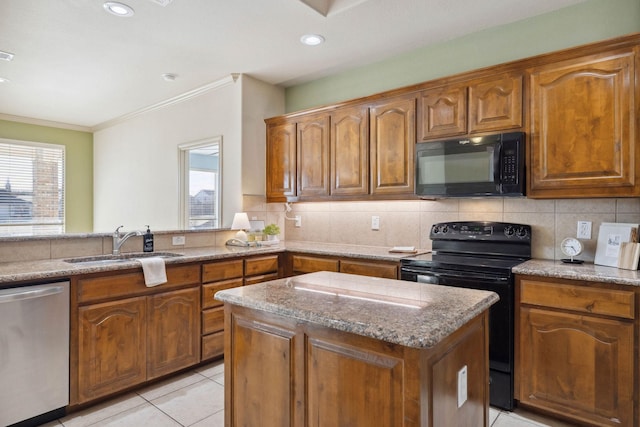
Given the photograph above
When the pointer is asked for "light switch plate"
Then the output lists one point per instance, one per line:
(462, 386)
(584, 230)
(178, 240)
(375, 222)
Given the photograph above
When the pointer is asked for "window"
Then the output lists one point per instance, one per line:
(200, 189)
(31, 188)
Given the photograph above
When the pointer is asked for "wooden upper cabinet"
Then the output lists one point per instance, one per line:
(495, 104)
(583, 136)
(392, 145)
(481, 105)
(350, 151)
(281, 162)
(442, 112)
(313, 156)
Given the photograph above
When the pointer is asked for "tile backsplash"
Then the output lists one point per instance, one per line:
(407, 223)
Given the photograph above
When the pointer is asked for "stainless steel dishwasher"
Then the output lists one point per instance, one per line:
(34, 352)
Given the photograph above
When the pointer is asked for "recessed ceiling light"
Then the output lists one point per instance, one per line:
(312, 39)
(168, 77)
(6, 56)
(118, 9)
(3, 80)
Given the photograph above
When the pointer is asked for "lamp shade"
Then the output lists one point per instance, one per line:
(240, 221)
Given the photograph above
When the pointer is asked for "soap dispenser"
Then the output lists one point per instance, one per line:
(147, 239)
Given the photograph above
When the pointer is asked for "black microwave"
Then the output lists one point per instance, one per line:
(491, 165)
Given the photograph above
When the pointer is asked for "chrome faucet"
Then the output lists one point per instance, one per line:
(118, 241)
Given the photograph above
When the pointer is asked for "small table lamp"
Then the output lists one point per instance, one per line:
(241, 223)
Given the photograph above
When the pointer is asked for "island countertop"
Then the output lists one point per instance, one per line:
(411, 314)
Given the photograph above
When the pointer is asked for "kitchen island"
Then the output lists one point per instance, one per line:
(331, 349)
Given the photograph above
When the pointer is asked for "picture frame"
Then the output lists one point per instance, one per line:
(611, 236)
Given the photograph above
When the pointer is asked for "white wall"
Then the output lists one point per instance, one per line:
(136, 168)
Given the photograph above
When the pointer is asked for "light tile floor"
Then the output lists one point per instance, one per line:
(196, 399)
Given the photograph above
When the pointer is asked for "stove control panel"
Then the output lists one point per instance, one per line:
(480, 230)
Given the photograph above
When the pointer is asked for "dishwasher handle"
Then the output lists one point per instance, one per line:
(26, 293)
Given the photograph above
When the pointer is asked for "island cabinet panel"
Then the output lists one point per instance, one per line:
(174, 331)
(313, 156)
(350, 151)
(392, 139)
(318, 376)
(442, 112)
(583, 137)
(281, 162)
(260, 392)
(112, 349)
(575, 355)
(349, 385)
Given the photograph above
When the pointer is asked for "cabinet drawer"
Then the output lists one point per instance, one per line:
(308, 264)
(212, 345)
(222, 270)
(209, 290)
(261, 265)
(212, 320)
(609, 302)
(262, 278)
(123, 285)
(388, 271)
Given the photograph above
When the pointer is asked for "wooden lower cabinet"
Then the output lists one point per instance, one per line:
(575, 355)
(173, 331)
(112, 349)
(124, 333)
(320, 377)
(237, 272)
(302, 264)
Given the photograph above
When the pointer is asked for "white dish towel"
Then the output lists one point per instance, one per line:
(154, 271)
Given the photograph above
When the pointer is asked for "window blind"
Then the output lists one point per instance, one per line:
(31, 188)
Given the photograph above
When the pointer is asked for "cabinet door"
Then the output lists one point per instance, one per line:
(583, 137)
(281, 162)
(577, 365)
(442, 112)
(173, 331)
(313, 156)
(368, 268)
(495, 104)
(111, 347)
(259, 374)
(392, 146)
(350, 151)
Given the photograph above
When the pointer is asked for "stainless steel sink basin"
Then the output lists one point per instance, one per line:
(114, 259)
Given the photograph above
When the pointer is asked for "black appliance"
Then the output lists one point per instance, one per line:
(480, 255)
(490, 165)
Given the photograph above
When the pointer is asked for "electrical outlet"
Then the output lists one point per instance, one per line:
(375, 222)
(178, 240)
(298, 221)
(584, 230)
(462, 386)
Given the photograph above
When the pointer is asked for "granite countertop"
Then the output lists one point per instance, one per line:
(585, 272)
(410, 314)
(47, 269)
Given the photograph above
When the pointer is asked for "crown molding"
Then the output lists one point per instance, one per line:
(232, 78)
(47, 123)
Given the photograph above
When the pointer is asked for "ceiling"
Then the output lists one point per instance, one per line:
(76, 64)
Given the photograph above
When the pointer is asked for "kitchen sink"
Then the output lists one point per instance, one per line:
(114, 259)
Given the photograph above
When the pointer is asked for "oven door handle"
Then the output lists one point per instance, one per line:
(469, 276)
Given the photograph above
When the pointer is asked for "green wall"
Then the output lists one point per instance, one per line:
(586, 22)
(79, 167)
